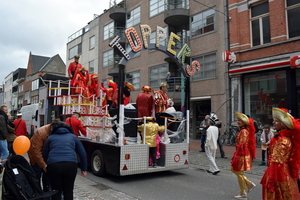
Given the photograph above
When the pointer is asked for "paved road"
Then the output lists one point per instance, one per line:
(90, 188)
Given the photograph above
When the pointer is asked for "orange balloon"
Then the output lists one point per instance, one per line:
(21, 145)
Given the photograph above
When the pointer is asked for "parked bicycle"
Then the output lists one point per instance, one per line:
(228, 137)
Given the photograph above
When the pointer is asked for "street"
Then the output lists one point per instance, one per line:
(192, 183)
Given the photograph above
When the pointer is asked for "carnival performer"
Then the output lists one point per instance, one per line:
(244, 153)
(151, 131)
(145, 102)
(211, 145)
(161, 99)
(110, 92)
(93, 85)
(104, 90)
(280, 179)
(126, 92)
(72, 69)
(81, 81)
(76, 124)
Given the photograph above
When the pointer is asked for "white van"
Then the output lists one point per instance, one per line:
(31, 116)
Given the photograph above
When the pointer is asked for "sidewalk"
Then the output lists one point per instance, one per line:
(199, 160)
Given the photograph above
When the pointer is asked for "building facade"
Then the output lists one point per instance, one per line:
(265, 37)
(200, 25)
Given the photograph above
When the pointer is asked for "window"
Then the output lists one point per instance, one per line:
(260, 22)
(163, 41)
(133, 17)
(293, 19)
(262, 91)
(208, 67)
(108, 31)
(34, 99)
(77, 50)
(35, 84)
(108, 58)
(203, 22)
(20, 87)
(91, 67)
(156, 7)
(133, 78)
(157, 75)
(92, 42)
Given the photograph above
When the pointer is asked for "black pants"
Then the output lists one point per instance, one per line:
(153, 154)
(40, 174)
(263, 154)
(62, 177)
(220, 146)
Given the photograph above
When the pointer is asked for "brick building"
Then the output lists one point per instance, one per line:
(200, 24)
(265, 37)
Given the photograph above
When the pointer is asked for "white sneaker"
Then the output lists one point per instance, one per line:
(242, 195)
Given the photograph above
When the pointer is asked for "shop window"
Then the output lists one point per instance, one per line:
(203, 22)
(157, 75)
(208, 64)
(262, 92)
(260, 24)
(293, 19)
(133, 78)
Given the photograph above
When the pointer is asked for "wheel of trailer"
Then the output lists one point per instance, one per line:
(97, 163)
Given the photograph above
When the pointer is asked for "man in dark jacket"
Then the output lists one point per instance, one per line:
(3, 133)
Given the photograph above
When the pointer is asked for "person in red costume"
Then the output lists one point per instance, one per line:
(72, 69)
(111, 92)
(145, 102)
(93, 85)
(280, 179)
(75, 123)
(20, 125)
(81, 82)
(126, 92)
(161, 99)
(244, 153)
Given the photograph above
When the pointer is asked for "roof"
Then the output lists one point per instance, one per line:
(38, 62)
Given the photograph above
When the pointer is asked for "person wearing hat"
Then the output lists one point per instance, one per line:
(151, 131)
(93, 85)
(72, 71)
(20, 125)
(161, 99)
(111, 92)
(244, 153)
(211, 145)
(76, 124)
(280, 178)
(145, 102)
(126, 92)
(81, 82)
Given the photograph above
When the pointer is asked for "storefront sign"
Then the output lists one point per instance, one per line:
(228, 57)
(295, 61)
(138, 44)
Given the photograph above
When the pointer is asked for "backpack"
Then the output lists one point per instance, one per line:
(19, 181)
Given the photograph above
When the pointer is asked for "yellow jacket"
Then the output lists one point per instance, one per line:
(151, 131)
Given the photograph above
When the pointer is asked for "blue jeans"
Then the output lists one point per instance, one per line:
(203, 139)
(40, 174)
(3, 151)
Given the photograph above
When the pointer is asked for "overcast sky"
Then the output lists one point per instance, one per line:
(42, 27)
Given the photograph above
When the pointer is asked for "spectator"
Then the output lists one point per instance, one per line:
(265, 138)
(3, 133)
(20, 125)
(60, 155)
(76, 125)
(35, 155)
(11, 136)
(203, 127)
(170, 81)
(222, 152)
(211, 145)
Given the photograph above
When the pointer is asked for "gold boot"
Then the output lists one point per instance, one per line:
(242, 195)
(250, 186)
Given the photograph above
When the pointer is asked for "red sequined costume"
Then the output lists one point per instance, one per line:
(81, 81)
(145, 102)
(161, 101)
(280, 179)
(93, 85)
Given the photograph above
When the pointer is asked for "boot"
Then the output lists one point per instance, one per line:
(250, 186)
(242, 195)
